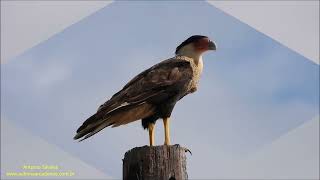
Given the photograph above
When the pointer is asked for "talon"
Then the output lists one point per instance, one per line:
(187, 150)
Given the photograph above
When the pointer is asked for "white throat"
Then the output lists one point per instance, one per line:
(190, 51)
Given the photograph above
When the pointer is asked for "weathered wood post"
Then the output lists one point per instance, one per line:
(155, 163)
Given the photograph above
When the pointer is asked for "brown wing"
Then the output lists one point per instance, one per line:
(134, 101)
(145, 84)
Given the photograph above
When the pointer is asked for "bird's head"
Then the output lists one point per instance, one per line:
(195, 45)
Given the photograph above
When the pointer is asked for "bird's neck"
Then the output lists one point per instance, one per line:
(190, 52)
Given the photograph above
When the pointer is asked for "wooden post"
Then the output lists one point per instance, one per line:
(155, 163)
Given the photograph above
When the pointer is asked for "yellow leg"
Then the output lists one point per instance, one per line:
(166, 131)
(151, 134)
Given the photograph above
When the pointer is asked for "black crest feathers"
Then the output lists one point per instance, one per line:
(191, 39)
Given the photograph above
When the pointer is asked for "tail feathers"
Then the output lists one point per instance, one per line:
(95, 130)
(122, 116)
(87, 122)
(88, 126)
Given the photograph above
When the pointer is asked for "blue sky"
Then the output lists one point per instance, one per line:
(252, 91)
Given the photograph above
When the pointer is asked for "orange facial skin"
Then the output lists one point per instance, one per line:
(202, 45)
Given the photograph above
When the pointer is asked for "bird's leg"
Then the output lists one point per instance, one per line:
(151, 133)
(166, 131)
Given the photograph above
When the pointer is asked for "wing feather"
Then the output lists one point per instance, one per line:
(121, 118)
(136, 99)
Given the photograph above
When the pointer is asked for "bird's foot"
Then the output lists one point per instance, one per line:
(167, 143)
(187, 150)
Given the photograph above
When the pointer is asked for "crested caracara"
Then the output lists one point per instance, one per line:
(153, 93)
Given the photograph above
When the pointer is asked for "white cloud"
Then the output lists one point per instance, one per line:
(292, 23)
(19, 148)
(50, 74)
(25, 24)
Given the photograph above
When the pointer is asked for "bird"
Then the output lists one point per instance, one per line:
(153, 94)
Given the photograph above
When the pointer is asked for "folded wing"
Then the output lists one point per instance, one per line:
(138, 98)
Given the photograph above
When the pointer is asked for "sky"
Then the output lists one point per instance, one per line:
(252, 91)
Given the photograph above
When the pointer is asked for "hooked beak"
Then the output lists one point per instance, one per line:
(212, 46)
